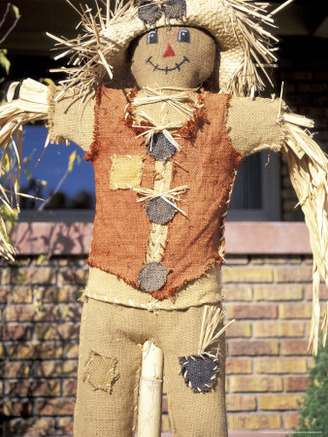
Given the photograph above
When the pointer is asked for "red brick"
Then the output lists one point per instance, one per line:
(32, 351)
(16, 295)
(74, 277)
(253, 347)
(323, 292)
(72, 312)
(166, 424)
(29, 313)
(14, 370)
(15, 332)
(72, 351)
(24, 389)
(254, 421)
(2, 351)
(70, 386)
(239, 329)
(65, 426)
(60, 295)
(293, 274)
(295, 311)
(312, 88)
(237, 293)
(165, 406)
(255, 311)
(33, 276)
(55, 369)
(291, 420)
(63, 331)
(238, 365)
(55, 407)
(274, 328)
(30, 427)
(296, 383)
(247, 274)
(240, 403)
(279, 365)
(283, 402)
(295, 347)
(17, 408)
(278, 292)
(244, 384)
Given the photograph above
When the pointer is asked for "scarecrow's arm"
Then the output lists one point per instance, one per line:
(71, 117)
(67, 115)
(31, 105)
(253, 124)
(265, 124)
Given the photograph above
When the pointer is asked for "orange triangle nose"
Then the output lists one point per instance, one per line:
(169, 52)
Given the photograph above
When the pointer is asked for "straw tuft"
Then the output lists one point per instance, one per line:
(32, 105)
(308, 171)
(242, 29)
(87, 67)
(209, 335)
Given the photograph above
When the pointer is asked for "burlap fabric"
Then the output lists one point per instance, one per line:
(172, 62)
(122, 228)
(68, 121)
(71, 118)
(246, 133)
(118, 333)
(108, 288)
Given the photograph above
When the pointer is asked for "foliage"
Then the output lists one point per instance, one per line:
(313, 411)
(11, 15)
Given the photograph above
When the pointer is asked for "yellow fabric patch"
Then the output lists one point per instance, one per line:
(126, 171)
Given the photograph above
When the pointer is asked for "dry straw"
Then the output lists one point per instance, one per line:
(308, 171)
(32, 105)
(242, 29)
(210, 332)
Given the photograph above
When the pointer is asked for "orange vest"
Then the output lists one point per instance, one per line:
(121, 231)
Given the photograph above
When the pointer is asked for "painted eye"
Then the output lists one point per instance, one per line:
(184, 35)
(152, 37)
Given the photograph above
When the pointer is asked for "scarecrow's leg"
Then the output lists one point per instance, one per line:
(108, 376)
(192, 414)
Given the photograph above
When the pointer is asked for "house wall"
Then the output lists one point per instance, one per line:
(267, 363)
(303, 67)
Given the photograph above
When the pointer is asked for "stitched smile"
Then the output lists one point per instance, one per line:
(167, 69)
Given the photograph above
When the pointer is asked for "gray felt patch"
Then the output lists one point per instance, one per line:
(159, 211)
(161, 149)
(174, 9)
(149, 11)
(152, 277)
(200, 371)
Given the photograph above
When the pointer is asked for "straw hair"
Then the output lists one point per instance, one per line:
(241, 29)
(212, 317)
(308, 171)
(32, 105)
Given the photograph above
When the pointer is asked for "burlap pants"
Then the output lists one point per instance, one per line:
(109, 368)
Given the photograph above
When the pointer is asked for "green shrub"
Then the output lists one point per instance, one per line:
(313, 411)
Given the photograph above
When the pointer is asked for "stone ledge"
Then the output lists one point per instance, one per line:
(242, 238)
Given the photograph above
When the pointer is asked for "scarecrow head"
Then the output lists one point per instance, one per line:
(174, 42)
(173, 56)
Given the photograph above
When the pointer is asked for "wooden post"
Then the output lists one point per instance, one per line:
(150, 394)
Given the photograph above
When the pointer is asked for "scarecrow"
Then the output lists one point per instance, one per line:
(162, 97)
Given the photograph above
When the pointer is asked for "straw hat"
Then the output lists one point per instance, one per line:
(237, 25)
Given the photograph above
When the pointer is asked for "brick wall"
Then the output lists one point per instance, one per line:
(267, 359)
(303, 66)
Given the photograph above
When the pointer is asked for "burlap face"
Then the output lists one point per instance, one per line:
(173, 56)
(116, 332)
